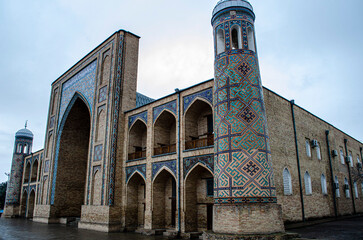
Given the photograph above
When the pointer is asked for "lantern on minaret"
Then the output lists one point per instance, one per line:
(244, 191)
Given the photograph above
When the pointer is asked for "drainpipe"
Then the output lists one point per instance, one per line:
(361, 157)
(350, 177)
(178, 146)
(331, 174)
(292, 102)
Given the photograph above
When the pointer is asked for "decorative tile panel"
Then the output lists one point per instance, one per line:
(171, 165)
(84, 83)
(242, 163)
(51, 122)
(190, 162)
(46, 166)
(116, 104)
(171, 106)
(205, 94)
(97, 153)
(142, 116)
(139, 168)
(102, 96)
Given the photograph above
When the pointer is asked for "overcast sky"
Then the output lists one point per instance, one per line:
(310, 51)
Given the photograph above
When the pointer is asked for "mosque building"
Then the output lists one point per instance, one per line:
(225, 156)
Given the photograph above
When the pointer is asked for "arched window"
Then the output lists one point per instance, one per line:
(362, 187)
(358, 160)
(355, 189)
(346, 188)
(351, 160)
(287, 182)
(337, 191)
(307, 146)
(341, 156)
(318, 153)
(307, 179)
(220, 41)
(323, 185)
(251, 39)
(18, 149)
(236, 37)
(25, 149)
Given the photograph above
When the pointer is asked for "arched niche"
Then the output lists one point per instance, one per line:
(164, 200)
(135, 212)
(137, 140)
(198, 125)
(199, 199)
(34, 171)
(165, 134)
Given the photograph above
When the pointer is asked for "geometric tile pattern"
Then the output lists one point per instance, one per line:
(115, 116)
(103, 94)
(46, 166)
(51, 122)
(139, 168)
(206, 160)
(97, 155)
(84, 83)
(205, 94)
(243, 171)
(171, 165)
(142, 116)
(170, 106)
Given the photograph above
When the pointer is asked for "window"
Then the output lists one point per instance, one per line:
(341, 156)
(307, 146)
(210, 187)
(337, 191)
(358, 160)
(318, 153)
(307, 179)
(287, 182)
(346, 188)
(236, 37)
(350, 159)
(25, 149)
(323, 185)
(251, 39)
(362, 187)
(220, 41)
(355, 189)
(18, 149)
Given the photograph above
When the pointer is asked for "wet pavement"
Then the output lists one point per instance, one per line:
(347, 229)
(26, 229)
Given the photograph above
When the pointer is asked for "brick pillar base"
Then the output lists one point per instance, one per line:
(251, 218)
(11, 211)
(101, 218)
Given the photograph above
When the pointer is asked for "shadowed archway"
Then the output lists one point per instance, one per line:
(72, 161)
(135, 214)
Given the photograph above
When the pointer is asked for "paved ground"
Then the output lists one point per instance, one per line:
(348, 229)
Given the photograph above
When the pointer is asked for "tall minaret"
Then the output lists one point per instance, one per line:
(22, 147)
(244, 190)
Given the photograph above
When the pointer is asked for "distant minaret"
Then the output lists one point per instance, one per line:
(244, 191)
(22, 147)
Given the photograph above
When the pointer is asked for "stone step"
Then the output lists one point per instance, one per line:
(170, 233)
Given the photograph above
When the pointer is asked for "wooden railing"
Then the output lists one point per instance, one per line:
(165, 149)
(137, 155)
(202, 142)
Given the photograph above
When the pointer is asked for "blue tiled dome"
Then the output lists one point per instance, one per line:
(24, 133)
(224, 4)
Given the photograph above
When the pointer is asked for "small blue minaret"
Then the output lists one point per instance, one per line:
(22, 147)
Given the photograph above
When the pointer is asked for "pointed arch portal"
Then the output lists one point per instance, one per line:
(71, 162)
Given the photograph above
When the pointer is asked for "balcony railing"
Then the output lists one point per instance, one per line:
(199, 143)
(137, 155)
(165, 149)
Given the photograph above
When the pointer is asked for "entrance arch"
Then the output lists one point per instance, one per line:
(72, 161)
(31, 203)
(135, 214)
(23, 203)
(198, 200)
(164, 201)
